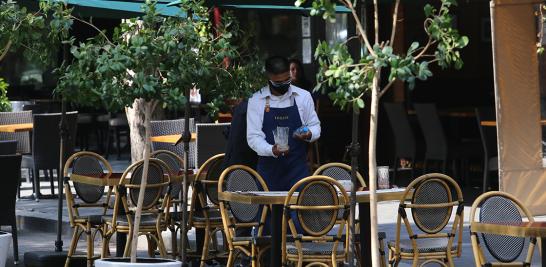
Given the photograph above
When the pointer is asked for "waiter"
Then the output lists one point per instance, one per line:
(280, 104)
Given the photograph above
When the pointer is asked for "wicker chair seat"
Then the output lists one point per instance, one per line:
(428, 245)
(313, 248)
(145, 220)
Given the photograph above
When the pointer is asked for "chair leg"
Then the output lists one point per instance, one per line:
(51, 181)
(73, 245)
(15, 243)
(205, 252)
(161, 246)
(36, 176)
(174, 243)
(486, 175)
(105, 245)
(90, 245)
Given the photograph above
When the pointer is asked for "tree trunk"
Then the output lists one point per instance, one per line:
(148, 107)
(136, 117)
(372, 165)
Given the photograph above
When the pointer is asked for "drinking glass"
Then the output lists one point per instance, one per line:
(383, 177)
(281, 138)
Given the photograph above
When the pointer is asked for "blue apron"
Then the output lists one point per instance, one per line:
(281, 173)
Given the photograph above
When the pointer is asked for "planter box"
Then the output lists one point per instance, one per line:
(5, 241)
(141, 262)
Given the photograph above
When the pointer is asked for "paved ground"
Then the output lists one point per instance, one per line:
(37, 225)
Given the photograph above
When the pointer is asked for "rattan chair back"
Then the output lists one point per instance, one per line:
(156, 187)
(168, 127)
(339, 171)
(89, 173)
(500, 208)
(175, 164)
(316, 208)
(432, 200)
(206, 179)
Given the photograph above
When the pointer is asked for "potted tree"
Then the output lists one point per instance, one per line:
(150, 61)
(371, 76)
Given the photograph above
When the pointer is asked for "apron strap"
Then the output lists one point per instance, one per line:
(268, 105)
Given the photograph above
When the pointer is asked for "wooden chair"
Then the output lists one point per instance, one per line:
(431, 207)
(342, 172)
(204, 209)
(154, 211)
(240, 219)
(175, 164)
(316, 211)
(89, 175)
(500, 207)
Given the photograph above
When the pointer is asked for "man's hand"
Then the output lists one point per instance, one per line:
(278, 152)
(304, 137)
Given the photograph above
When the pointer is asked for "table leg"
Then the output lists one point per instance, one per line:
(121, 238)
(543, 243)
(543, 252)
(276, 228)
(365, 235)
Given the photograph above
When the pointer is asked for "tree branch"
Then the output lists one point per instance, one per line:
(359, 26)
(386, 88)
(94, 27)
(394, 23)
(376, 20)
(5, 50)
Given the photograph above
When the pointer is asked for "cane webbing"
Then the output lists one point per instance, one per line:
(317, 222)
(88, 166)
(431, 220)
(151, 194)
(243, 181)
(213, 174)
(174, 168)
(499, 210)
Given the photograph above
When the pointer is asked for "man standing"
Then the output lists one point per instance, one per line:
(281, 104)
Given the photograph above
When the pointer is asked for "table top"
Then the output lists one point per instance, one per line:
(494, 123)
(19, 127)
(278, 197)
(172, 138)
(522, 229)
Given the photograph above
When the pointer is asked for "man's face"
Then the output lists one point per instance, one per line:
(279, 83)
(279, 78)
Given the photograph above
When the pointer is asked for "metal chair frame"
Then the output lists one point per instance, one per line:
(479, 256)
(159, 209)
(231, 225)
(341, 202)
(202, 202)
(395, 253)
(83, 224)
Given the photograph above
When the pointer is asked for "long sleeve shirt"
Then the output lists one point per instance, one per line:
(255, 116)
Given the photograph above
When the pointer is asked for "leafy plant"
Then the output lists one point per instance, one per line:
(150, 61)
(5, 105)
(354, 79)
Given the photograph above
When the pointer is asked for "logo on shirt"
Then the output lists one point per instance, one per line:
(281, 118)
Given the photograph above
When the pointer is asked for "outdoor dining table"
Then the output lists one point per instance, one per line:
(276, 199)
(171, 138)
(521, 229)
(494, 123)
(14, 128)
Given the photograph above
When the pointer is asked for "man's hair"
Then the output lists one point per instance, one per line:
(277, 65)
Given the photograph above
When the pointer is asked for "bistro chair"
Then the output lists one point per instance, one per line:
(239, 219)
(436, 197)
(211, 140)
(89, 176)
(168, 127)
(23, 138)
(342, 172)
(154, 209)
(316, 210)
(204, 210)
(404, 138)
(11, 176)
(8, 147)
(489, 142)
(175, 165)
(501, 208)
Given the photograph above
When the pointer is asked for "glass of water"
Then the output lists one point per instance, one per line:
(383, 177)
(281, 138)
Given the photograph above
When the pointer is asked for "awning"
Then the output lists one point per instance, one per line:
(115, 8)
(262, 5)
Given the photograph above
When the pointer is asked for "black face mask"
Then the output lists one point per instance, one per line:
(280, 88)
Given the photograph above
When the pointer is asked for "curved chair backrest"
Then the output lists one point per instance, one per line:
(167, 127)
(175, 165)
(90, 171)
(244, 179)
(23, 138)
(435, 197)
(499, 208)
(8, 147)
(11, 175)
(46, 135)
(338, 171)
(432, 129)
(206, 179)
(211, 140)
(404, 139)
(156, 187)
